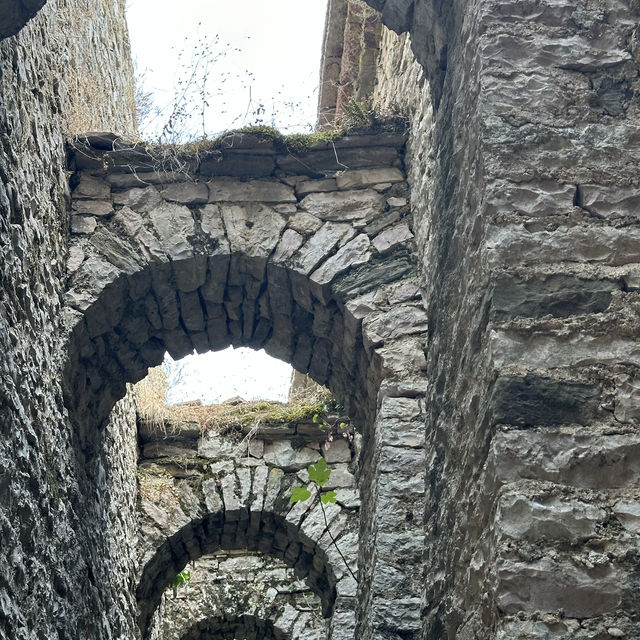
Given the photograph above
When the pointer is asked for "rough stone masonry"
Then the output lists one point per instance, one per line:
(494, 375)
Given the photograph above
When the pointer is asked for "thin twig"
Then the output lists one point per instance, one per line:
(333, 540)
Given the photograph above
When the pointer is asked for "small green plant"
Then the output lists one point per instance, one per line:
(319, 474)
(180, 581)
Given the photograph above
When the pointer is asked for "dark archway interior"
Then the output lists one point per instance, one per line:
(241, 628)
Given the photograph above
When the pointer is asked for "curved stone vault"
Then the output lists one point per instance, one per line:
(228, 499)
(307, 255)
(241, 596)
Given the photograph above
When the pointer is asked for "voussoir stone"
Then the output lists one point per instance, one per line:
(344, 205)
(174, 225)
(252, 229)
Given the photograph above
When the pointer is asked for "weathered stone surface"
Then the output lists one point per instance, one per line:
(367, 177)
(316, 186)
(582, 458)
(227, 190)
(91, 187)
(83, 224)
(186, 192)
(93, 207)
(392, 238)
(546, 585)
(253, 230)
(174, 225)
(344, 206)
(534, 400)
(284, 456)
(554, 518)
(142, 199)
(557, 295)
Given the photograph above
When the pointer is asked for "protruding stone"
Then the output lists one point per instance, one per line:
(367, 177)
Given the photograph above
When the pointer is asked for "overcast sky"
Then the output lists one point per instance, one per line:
(266, 52)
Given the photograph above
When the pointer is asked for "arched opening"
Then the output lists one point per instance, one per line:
(226, 494)
(267, 532)
(316, 270)
(240, 596)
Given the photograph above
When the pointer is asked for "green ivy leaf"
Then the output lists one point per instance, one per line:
(300, 494)
(329, 496)
(319, 473)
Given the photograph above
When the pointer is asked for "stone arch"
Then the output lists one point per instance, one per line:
(250, 243)
(189, 260)
(251, 595)
(304, 549)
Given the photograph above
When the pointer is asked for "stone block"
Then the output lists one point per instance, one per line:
(253, 229)
(392, 238)
(304, 223)
(353, 253)
(228, 190)
(83, 224)
(557, 295)
(140, 199)
(281, 454)
(316, 186)
(552, 518)
(580, 457)
(337, 451)
(537, 400)
(344, 206)
(551, 584)
(92, 187)
(186, 192)
(368, 177)
(627, 399)
(175, 227)
(98, 208)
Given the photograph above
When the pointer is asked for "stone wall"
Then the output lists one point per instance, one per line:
(244, 595)
(525, 212)
(61, 513)
(206, 495)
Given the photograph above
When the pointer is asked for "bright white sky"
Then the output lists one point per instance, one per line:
(267, 52)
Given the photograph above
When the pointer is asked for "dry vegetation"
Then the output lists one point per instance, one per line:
(228, 417)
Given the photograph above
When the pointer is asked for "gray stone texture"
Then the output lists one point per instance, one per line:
(528, 270)
(202, 502)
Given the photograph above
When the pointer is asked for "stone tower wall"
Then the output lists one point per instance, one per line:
(62, 514)
(526, 210)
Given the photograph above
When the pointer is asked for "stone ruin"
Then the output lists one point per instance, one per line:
(468, 289)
